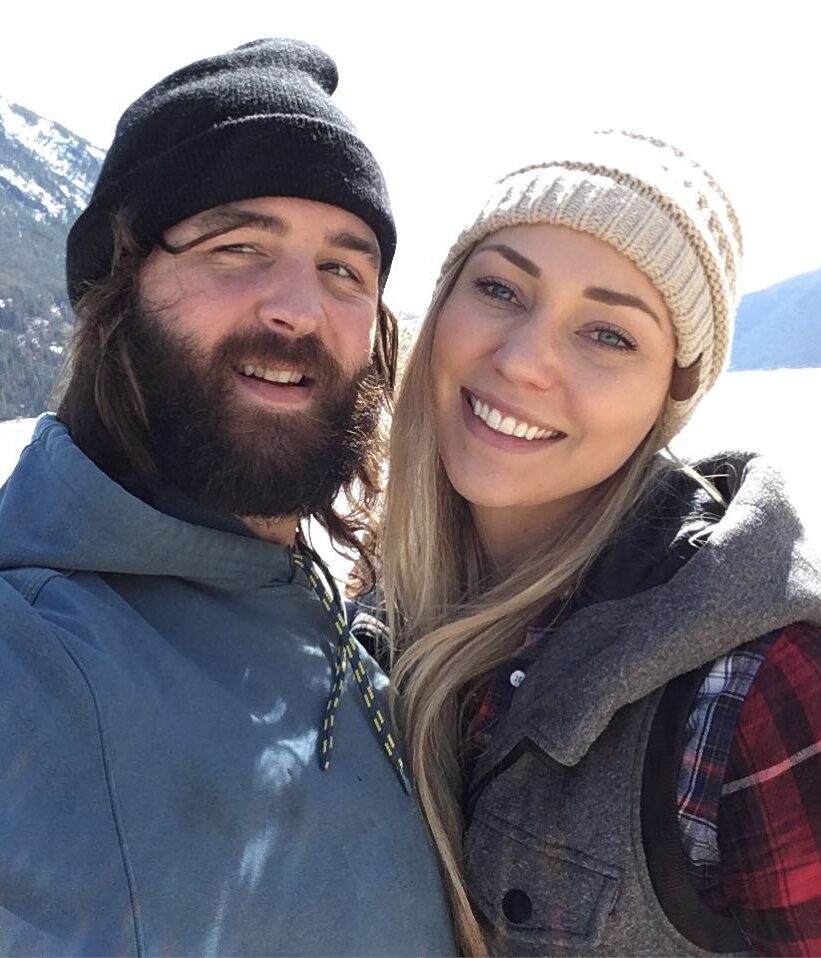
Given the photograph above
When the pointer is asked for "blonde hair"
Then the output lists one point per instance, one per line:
(452, 625)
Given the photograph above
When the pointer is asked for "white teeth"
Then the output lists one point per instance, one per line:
(272, 375)
(281, 376)
(507, 424)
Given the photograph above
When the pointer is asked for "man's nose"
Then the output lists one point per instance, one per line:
(291, 298)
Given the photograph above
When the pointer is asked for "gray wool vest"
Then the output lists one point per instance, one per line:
(559, 840)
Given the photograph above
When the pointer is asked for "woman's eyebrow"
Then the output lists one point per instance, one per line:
(611, 297)
(515, 257)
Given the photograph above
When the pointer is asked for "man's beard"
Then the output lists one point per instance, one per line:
(234, 455)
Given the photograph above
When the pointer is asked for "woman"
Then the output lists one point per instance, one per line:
(610, 661)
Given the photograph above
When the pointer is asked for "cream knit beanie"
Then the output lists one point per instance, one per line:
(663, 212)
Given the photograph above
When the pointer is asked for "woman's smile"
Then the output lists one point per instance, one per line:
(494, 423)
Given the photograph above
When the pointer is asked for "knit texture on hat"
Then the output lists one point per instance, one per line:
(256, 121)
(659, 209)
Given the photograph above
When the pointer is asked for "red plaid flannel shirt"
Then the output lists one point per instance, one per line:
(751, 774)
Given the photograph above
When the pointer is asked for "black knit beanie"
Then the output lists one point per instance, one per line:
(256, 121)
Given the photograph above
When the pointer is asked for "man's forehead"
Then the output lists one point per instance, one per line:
(282, 212)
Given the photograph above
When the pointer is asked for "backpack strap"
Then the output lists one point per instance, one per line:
(665, 856)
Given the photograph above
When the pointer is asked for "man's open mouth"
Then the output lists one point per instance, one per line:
(275, 374)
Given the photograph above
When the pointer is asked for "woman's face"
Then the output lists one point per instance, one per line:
(552, 359)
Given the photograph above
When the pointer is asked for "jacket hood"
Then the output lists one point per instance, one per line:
(685, 582)
(59, 511)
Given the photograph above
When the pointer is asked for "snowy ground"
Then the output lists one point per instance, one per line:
(774, 411)
(14, 435)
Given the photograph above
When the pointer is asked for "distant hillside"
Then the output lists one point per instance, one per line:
(780, 327)
(46, 177)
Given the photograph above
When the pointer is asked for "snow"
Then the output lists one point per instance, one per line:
(47, 141)
(31, 189)
(771, 411)
(780, 326)
(55, 149)
(14, 436)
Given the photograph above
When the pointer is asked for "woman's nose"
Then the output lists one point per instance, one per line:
(530, 353)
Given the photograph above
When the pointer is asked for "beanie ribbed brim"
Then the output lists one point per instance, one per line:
(225, 164)
(256, 121)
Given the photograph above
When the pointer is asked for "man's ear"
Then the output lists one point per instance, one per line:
(386, 345)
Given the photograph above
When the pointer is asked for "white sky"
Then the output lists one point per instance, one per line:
(451, 95)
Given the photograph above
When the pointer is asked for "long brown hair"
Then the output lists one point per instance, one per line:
(100, 400)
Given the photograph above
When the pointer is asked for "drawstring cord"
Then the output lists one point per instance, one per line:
(345, 650)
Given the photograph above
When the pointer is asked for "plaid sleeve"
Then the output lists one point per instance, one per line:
(769, 822)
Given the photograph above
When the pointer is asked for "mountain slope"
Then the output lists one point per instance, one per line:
(780, 327)
(46, 177)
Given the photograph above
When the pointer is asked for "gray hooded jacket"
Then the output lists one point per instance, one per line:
(162, 684)
(560, 829)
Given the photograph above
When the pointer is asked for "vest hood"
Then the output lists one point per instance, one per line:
(685, 582)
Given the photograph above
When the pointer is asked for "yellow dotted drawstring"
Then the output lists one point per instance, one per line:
(347, 650)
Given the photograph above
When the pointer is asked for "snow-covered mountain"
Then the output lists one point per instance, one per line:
(46, 178)
(44, 167)
(780, 327)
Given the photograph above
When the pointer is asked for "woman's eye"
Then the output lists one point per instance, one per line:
(611, 338)
(496, 289)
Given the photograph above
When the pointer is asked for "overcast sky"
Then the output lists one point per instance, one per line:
(451, 95)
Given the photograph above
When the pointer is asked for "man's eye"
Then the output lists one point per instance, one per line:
(496, 289)
(235, 248)
(340, 269)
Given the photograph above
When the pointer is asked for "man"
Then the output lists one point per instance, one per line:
(188, 765)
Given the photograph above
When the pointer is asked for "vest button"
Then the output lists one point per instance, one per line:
(517, 906)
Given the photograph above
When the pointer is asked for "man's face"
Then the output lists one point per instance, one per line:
(253, 349)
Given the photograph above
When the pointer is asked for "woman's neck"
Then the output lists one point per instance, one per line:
(510, 532)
